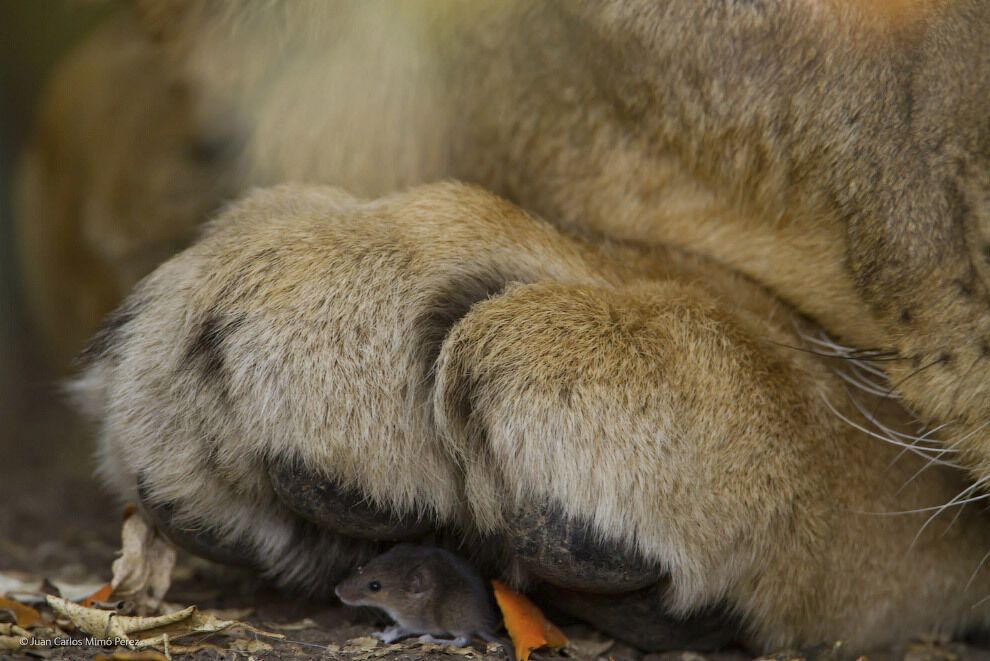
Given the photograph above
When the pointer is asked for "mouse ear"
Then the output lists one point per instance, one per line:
(419, 578)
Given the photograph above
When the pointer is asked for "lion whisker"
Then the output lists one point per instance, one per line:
(955, 502)
(908, 446)
(913, 440)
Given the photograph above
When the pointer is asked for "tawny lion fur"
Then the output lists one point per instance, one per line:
(714, 193)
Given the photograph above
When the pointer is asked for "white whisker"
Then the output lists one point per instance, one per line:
(911, 448)
(866, 366)
(976, 571)
(955, 502)
(864, 386)
(924, 438)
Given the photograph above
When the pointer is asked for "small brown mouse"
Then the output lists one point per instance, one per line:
(427, 591)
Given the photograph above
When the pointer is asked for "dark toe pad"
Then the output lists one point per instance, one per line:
(343, 511)
(199, 542)
(639, 619)
(565, 552)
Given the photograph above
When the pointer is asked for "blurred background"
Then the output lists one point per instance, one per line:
(53, 514)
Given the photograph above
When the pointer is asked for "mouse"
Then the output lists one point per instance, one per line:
(427, 591)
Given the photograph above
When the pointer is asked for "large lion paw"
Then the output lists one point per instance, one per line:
(269, 394)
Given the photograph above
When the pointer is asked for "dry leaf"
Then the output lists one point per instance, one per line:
(145, 632)
(107, 624)
(25, 615)
(361, 644)
(143, 572)
(101, 595)
(429, 648)
(525, 622)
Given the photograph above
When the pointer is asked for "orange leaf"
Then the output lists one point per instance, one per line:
(525, 622)
(103, 594)
(26, 616)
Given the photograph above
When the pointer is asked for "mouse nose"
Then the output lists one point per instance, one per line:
(342, 595)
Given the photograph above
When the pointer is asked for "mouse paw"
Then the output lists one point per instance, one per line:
(460, 641)
(392, 634)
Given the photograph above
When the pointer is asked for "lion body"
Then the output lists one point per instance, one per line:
(718, 181)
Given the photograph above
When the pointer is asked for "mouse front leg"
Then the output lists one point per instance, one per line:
(393, 634)
(460, 641)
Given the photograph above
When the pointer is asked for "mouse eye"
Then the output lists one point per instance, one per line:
(374, 586)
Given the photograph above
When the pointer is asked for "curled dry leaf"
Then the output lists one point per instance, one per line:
(107, 624)
(143, 572)
(525, 622)
(145, 632)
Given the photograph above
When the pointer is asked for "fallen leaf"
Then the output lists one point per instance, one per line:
(145, 632)
(25, 615)
(363, 643)
(101, 595)
(200, 622)
(527, 627)
(143, 572)
(107, 624)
